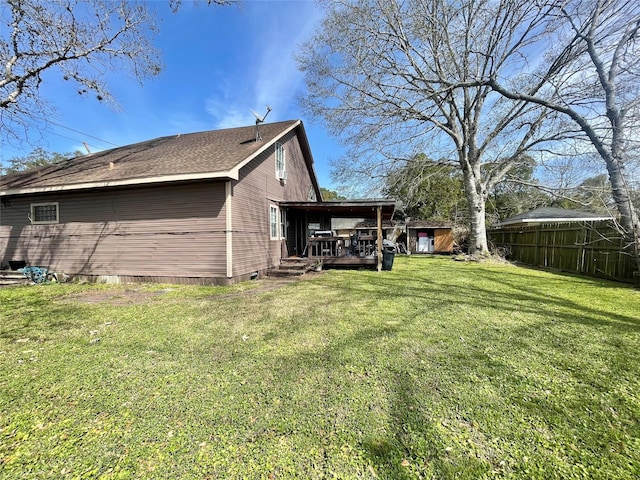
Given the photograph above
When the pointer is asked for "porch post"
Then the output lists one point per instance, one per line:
(379, 215)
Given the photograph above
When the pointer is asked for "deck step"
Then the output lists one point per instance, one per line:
(294, 263)
(280, 272)
(11, 283)
(7, 274)
(290, 267)
(11, 277)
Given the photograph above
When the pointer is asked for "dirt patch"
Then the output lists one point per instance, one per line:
(131, 296)
(269, 284)
(122, 298)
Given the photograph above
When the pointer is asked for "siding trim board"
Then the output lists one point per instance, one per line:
(121, 183)
(137, 279)
(229, 227)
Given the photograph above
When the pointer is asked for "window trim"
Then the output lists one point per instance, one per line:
(281, 161)
(274, 224)
(32, 213)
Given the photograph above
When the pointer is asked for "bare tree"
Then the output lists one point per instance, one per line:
(395, 79)
(81, 40)
(590, 73)
(176, 4)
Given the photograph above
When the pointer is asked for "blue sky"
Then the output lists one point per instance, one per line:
(219, 64)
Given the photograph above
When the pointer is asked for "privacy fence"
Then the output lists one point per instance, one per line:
(589, 248)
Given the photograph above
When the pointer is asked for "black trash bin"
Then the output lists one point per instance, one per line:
(388, 255)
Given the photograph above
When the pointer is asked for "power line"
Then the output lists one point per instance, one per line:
(74, 139)
(81, 133)
(48, 123)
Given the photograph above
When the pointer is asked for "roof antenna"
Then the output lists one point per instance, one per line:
(259, 121)
(87, 148)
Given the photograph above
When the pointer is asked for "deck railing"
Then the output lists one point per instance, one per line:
(338, 247)
(320, 247)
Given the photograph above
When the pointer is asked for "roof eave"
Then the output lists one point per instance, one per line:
(308, 156)
(266, 145)
(232, 174)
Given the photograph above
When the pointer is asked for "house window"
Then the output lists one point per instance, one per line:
(44, 213)
(273, 222)
(281, 162)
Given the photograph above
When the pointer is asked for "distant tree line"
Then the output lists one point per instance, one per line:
(432, 190)
(39, 157)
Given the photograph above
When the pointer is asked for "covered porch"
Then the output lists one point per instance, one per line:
(321, 231)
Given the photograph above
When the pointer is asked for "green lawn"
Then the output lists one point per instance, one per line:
(437, 369)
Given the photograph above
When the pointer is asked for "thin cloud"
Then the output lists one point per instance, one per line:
(278, 77)
(270, 74)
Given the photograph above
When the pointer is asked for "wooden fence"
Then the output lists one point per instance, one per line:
(588, 248)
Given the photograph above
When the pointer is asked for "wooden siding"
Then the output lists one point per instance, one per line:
(168, 231)
(258, 188)
(443, 240)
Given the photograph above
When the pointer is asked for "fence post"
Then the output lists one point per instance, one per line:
(621, 264)
(581, 253)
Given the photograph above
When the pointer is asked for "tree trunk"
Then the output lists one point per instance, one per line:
(628, 216)
(476, 196)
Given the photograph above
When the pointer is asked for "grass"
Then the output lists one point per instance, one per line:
(437, 369)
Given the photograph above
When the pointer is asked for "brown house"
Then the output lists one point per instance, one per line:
(195, 208)
(213, 207)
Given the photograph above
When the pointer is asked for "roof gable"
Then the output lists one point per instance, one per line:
(211, 154)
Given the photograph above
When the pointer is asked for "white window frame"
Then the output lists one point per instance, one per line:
(274, 222)
(281, 161)
(32, 213)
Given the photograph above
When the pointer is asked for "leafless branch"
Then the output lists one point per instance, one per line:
(79, 40)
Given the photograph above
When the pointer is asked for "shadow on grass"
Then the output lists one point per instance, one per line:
(353, 376)
(395, 455)
(503, 291)
(410, 443)
(33, 316)
(413, 445)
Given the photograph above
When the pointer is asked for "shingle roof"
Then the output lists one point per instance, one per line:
(552, 214)
(429, 224)
(211, 154)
